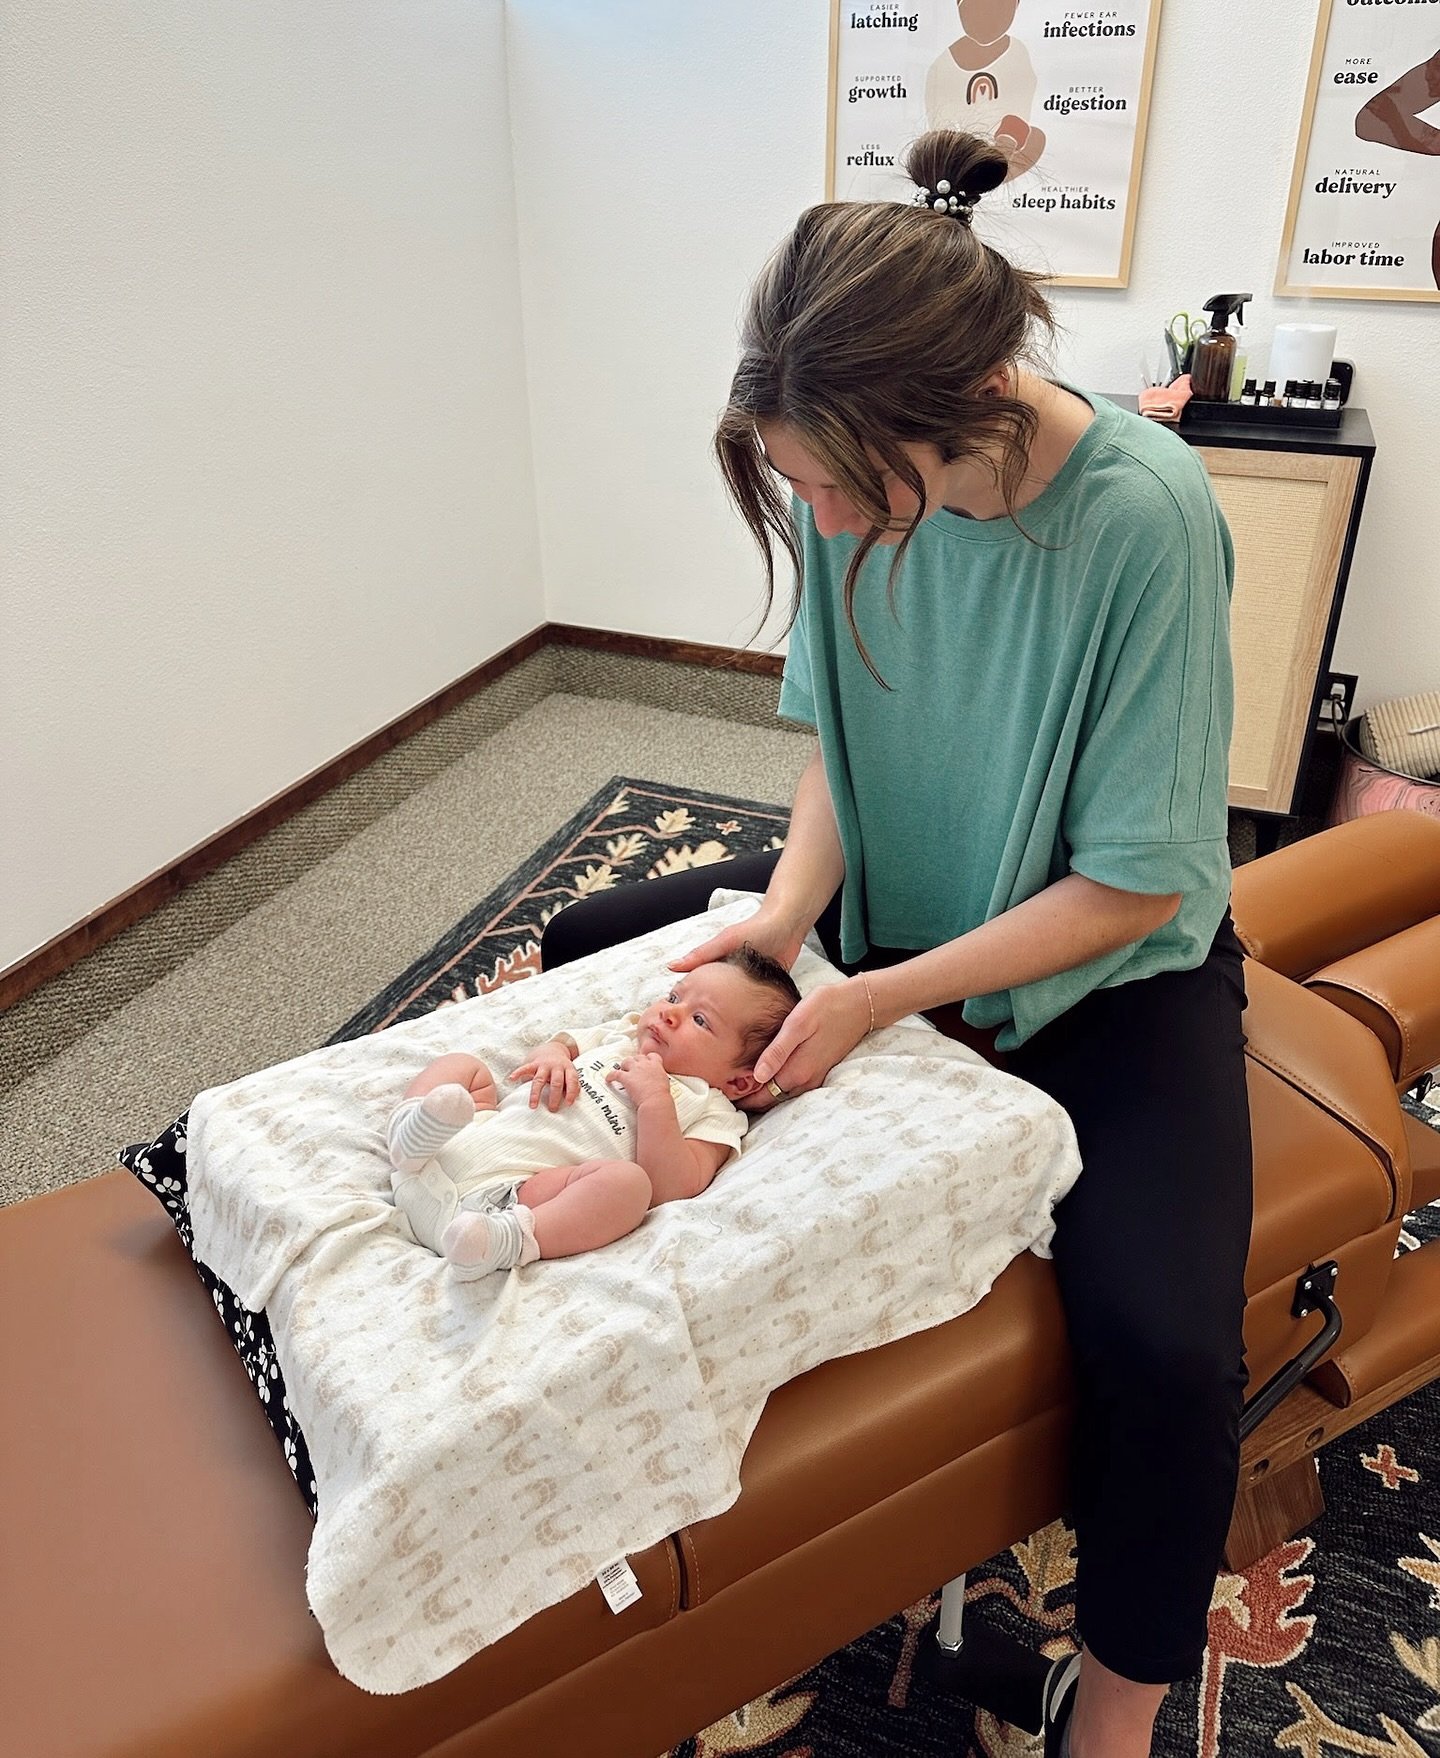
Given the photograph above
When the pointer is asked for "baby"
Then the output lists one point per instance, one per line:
(640, 1112)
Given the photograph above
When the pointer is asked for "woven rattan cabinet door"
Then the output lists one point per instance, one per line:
(1288, 513)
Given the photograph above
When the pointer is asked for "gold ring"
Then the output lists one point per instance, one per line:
(776, 1090)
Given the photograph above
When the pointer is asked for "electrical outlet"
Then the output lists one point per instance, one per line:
(1338, 702)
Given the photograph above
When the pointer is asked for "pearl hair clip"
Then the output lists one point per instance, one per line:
(944, 202)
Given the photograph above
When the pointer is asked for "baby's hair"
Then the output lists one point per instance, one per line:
(770, 974)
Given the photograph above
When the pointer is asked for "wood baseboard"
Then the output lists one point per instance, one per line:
(742, 659)
(140, 900)
(103, 924)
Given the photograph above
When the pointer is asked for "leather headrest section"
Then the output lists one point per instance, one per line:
(1326, 896)
(1393, 987)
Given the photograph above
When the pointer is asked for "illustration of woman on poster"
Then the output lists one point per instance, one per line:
(1392, 118)
(985, 83)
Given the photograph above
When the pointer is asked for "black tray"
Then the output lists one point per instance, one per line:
(1198, 414)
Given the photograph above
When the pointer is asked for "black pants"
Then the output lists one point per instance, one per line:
(1150, 1248)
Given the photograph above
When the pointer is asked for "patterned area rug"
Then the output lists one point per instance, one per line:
(630, 830)
(1331, 1644)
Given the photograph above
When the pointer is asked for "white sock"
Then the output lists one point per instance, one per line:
(419, 1128)
(428, 1200)
(476, 1244)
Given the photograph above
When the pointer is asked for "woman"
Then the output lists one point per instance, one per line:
(1011, 634)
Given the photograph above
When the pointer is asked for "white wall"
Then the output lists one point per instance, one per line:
(265, 467)
(265, 477)
(662, 152)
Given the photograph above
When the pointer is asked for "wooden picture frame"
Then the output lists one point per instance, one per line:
(1356, 54)
(1068, 83)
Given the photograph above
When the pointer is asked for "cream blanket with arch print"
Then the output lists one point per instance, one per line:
(483, 1449)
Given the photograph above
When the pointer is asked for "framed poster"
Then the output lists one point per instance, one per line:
(1065, 87)
(1364, 214)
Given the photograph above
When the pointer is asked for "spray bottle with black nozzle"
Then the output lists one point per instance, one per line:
(1213, 359)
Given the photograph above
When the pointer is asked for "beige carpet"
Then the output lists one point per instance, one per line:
(269, 955)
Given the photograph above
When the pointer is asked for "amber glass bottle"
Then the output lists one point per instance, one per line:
(1213, 357)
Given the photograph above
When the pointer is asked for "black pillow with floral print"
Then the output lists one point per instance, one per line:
(161, 1167)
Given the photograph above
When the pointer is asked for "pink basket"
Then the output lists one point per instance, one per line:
(1367, 786)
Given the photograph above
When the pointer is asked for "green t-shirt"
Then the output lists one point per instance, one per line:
(1057, 705)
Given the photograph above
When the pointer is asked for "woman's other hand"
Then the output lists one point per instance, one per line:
(821, 1031)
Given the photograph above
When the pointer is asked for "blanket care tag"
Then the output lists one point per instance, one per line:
(618, 1584)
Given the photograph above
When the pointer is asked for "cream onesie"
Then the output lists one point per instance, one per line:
(491, 1157)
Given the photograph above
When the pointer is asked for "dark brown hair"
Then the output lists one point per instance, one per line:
(873, 326)
(770, 974)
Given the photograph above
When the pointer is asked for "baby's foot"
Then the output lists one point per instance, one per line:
(419, 1128)
(476, 1244)
(428, 1200)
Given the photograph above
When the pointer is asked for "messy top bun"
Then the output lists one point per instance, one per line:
(872, 327)
(970, 164)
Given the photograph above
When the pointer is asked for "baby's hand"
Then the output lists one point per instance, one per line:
(641, 1077)
(551, 1067)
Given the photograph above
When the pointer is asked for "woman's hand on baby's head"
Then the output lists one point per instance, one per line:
(713, 950)
(761, 1099)
(823, 1029)
(778, 940)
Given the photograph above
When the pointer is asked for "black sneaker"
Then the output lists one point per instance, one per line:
(1057, 1700)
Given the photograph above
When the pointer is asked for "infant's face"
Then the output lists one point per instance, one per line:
(697, 1026)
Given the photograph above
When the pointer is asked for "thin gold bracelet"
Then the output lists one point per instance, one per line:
(870, 998)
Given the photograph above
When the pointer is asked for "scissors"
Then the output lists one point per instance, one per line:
(1180, 335)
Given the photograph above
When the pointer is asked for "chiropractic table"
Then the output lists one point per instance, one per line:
(152, 1600)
